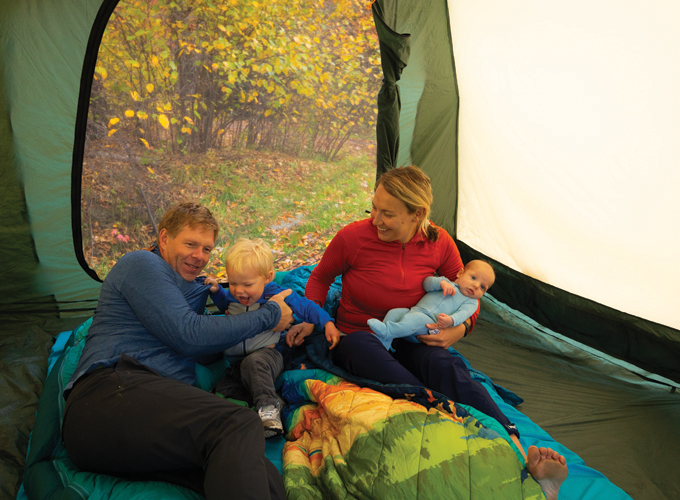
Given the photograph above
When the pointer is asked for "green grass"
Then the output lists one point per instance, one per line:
(296, 205)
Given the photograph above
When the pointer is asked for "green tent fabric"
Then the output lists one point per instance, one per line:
(47, 51)
(394, 52)
(42, 67)
(15, 229)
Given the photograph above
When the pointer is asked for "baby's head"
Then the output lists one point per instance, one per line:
(250, 267)
(475, 279)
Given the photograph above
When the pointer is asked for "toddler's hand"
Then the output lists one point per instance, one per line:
(448, 288)
(444, 321)
(214, 285)
(332, 334)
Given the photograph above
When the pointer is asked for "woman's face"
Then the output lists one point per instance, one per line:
(392, 218)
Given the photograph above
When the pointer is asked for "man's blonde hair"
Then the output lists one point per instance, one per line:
(187, 214)
(250, 254)
(412, 187)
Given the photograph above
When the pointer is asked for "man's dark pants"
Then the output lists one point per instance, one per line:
(130, 422)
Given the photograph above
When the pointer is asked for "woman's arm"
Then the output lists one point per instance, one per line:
(332, 264)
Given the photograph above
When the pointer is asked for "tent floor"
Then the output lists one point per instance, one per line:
(25, 345)
(619, 424)
(624, 427)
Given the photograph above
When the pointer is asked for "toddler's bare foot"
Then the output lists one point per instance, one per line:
(549, 468)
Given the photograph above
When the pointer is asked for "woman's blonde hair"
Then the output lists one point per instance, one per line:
(250, 254)
(412, 187)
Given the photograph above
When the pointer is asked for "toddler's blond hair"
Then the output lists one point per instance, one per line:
(250, 254)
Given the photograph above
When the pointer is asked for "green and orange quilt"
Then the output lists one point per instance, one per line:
(347, 442)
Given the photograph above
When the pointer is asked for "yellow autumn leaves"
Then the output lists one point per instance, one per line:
(275, 64)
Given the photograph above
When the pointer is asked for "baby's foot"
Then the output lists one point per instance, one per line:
(380, 331)
(548, 468)
(377, 326)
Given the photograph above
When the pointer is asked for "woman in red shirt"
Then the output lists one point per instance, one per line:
(383, 261)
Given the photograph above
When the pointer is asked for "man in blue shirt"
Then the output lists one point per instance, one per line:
(131, 409)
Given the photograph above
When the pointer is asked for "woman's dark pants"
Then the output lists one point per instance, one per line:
(362, 354)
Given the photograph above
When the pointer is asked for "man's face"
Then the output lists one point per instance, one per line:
(189, 251)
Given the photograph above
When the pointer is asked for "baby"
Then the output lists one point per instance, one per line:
(446, 309)
(250, 271)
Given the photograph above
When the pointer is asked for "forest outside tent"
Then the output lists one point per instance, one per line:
(189, 101)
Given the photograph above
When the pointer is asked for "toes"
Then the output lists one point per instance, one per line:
(533, 456)
(547, 454)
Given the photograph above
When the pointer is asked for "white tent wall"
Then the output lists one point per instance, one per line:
(530, 174)
(568, 145)
(42, 46)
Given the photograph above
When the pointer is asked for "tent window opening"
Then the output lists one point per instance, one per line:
(263, 111)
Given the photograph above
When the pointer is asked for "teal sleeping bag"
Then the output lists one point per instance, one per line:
(50, 474)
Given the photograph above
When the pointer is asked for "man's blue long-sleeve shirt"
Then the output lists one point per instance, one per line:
(149, 312)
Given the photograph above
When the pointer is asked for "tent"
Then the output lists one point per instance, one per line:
(548, 131)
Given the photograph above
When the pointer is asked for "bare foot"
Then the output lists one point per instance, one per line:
(549, 468)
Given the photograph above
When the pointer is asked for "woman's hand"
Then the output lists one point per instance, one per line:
(445, 338)
(297, 333)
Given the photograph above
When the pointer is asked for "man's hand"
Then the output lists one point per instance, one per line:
(297, 333)
(214, 285)
(447, 288)
(286, 313)
(445, 338)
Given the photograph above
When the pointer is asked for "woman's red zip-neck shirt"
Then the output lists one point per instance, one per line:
(378, 276)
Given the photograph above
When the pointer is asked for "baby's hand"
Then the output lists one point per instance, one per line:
(444, 321)
(332, 334)
(214, 285)
(448, 288)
